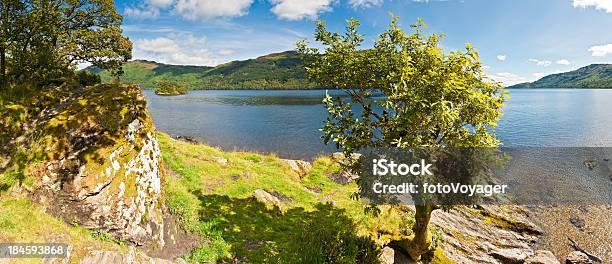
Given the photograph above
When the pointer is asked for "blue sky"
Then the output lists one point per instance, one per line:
(518, 40)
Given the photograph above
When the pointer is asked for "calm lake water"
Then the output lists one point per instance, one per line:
(287, 122)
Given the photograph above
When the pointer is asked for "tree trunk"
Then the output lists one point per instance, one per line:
(422, 238)
(3, 80)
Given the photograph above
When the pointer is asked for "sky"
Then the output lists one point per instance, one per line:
(518, 40)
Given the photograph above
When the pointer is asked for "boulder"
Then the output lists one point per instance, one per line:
(342, 177)
(97, 160)
(387, 256)
(487, 234)
(220, 160)
(542, 257)
(271, 202)
(577, 257)
(299, 166)
(391, 256)
(512, 255)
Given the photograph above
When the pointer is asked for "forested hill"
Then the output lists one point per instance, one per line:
(274, 71)
(592, 76)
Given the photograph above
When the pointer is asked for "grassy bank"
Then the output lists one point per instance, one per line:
(213, 194)
(24, 222)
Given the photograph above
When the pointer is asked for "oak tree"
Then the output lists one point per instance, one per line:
(404, 92)
(45, 39)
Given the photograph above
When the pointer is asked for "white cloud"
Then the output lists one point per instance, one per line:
(148, 28)
(158, 45)
(191, 9)
(148, 9)
(226, 52)
(142, 12)
(365, 3)
(501, 57)
(300, 9)
(427, 1)
(601, 51)
(544, 63)
(207, 9)
(160, 3)
(563, 62)
(185, 49)
(507, 78)
(539, 75)
(598, 4)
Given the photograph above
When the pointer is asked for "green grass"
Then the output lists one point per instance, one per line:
(21, 221)
(216, 201)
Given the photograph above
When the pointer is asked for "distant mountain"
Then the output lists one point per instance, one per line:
(274, 71)
(592, 76)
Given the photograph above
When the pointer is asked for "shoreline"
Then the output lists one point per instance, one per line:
(554, 221)
(589, 225)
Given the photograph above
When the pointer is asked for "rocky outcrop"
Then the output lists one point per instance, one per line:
(487, 234)
(343, 178)
(270, 201)
(299, 166)
(130, 257)
(577, 257)
(490, 234)
(389, 255)
(542, 257)
(95, 160)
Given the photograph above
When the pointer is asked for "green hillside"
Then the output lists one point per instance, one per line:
(274, 71)
(592, 76)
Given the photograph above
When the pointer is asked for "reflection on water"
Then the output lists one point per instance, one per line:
(287, 122)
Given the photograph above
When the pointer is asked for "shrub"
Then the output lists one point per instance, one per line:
(331, 237)
(87, 78)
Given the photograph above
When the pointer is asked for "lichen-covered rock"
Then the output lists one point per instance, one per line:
(267, 199)
(299, 166)
(487, 234)
(92, 159)
(343, 178)
(511, 255)
(387, 256)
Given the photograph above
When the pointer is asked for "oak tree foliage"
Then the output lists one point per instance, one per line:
(43, 40)
(403, 92)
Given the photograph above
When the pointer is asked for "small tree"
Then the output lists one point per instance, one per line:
(430, 98)
(10, 13)
(169, 88)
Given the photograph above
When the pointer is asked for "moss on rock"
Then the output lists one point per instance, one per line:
(90, 154)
